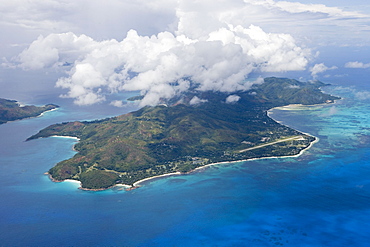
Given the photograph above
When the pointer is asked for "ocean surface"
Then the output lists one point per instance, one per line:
(321, 198)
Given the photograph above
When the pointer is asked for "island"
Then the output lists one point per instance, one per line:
(11, 110)
(180, 136)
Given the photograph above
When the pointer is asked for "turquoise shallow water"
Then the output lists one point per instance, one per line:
(321, 198)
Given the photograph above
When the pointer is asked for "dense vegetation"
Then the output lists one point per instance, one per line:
(10, 110)
(159, 140)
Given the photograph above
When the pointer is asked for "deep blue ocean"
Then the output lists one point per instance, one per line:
(321, 198)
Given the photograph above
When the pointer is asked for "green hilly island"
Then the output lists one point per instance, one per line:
(179, 137)
(11, 110)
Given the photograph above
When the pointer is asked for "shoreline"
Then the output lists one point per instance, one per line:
(67, 137)
(42, 113)
(137, 184)
(25, 118)
(69, 180)
(260, 158)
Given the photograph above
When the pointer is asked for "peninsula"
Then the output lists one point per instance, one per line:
(11, 110)
(179, 137)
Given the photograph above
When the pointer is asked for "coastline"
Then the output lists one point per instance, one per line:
(42, 113)
(68, 137)
(25, 118)
(137, 184)
(126, 186)
(53, 179)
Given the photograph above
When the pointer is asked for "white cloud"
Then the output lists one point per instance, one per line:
(55, 49)
(359, 95)
(320, 68)
(36, 14)
(163, 65)
(307, 22)
(25, 20)
(232, 98)
(117, 103)
(364, 95)
(195, 101)
(95, 18)
(332, 111)
(296, 7)
(357, 65)
(206, 45)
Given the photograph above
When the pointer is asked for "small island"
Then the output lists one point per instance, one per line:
(178, 137)
(11, 110)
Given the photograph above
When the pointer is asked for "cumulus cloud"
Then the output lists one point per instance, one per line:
(357, 65)
(196, 101)
(55, 49)
(320, 68)
(232, 99)
(93, 17)
(21, 21)
(117, 103)
(202, 17)
(36, 14)
(163, 65)
(364, 95)
(359, 95)
(296, 7)
(212, 45)
(332, 111)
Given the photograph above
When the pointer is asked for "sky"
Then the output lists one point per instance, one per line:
(89, 50)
